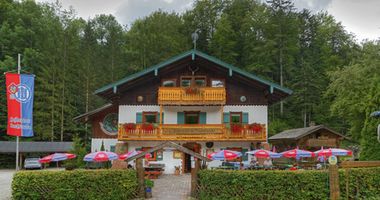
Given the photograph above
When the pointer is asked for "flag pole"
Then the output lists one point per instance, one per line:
(18, 137)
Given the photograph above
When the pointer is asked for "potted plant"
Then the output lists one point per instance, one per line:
(148, 188)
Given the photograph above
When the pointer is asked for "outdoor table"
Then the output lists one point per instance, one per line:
(152, 172)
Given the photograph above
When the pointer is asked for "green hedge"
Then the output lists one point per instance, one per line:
(76, 184)
(222, 184)
(361, 183)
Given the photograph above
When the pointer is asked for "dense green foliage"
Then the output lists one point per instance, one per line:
(218, 184)
(355, 90)
(306, 52)
(76, 184)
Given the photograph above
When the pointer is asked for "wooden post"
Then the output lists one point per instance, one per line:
(160, 126)
(334, 182)
(194, 177)
(140, 177)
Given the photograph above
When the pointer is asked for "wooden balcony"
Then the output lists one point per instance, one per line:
(191, 132)
(191, 96)
(329, 142)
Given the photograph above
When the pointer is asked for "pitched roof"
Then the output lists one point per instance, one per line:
(30, 147)
(84, 116)
(295, 134)
(173, 145)
(192, 53)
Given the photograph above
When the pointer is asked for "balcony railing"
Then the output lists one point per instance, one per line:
(330, 142)
(194, 132)
(191, 96)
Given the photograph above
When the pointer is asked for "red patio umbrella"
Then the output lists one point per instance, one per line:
(55, 157)
(133, 153)
(297, 153)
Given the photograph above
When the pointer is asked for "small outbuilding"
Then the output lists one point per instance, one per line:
(312, 138)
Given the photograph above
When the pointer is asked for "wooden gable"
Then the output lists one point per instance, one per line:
(238, 83)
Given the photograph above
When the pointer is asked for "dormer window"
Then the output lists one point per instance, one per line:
(193, 81)
(200, 82)
(169, 83)
(217, 83)
(185, 82)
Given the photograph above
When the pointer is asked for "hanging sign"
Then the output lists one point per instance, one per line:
(20, 90)
(333, 160)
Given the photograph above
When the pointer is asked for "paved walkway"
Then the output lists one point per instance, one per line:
(5, 184)
(171, 187)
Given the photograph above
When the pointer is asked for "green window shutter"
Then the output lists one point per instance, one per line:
(160, 155)
(202, 118)
(180, 117)
(245, 118)
(226, 118)
(244, 156)
(138, 118)
(158, 118)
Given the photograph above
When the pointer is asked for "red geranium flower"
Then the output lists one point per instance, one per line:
(256, 128)
(129, 127)
(147, 127)
(236, 128)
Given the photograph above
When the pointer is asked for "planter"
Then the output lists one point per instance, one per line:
(148, 192)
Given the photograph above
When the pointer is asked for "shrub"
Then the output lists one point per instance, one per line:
(220, 184)
(76, 184)
(361, 183)
(80, 151)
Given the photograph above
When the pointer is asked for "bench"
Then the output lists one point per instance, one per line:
(152, 174)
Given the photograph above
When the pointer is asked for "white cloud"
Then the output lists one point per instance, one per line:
(358, 16)
(131, 10)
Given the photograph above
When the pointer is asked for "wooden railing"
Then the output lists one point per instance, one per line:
(194, 132)
(191, 96)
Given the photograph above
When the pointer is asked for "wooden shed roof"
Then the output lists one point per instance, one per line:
(295, 134)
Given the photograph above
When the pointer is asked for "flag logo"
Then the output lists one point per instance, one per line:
(20, 92)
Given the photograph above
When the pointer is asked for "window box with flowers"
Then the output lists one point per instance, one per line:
(255, 128)
(236, 128)
(192, 90)
(147, 127)
(129, 127)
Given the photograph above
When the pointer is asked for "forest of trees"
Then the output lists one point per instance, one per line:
(336, 81)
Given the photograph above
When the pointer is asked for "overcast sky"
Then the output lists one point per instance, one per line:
(360, 17)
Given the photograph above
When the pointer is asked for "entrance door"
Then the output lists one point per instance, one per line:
(186, 160)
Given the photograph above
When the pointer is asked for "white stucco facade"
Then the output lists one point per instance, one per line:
(214, 115)
(96, 144)
(256, 114)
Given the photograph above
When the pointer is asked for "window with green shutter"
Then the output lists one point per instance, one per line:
(245, 118)
(202, 117)
(138, 118)
(180, 117)
(226, 119)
